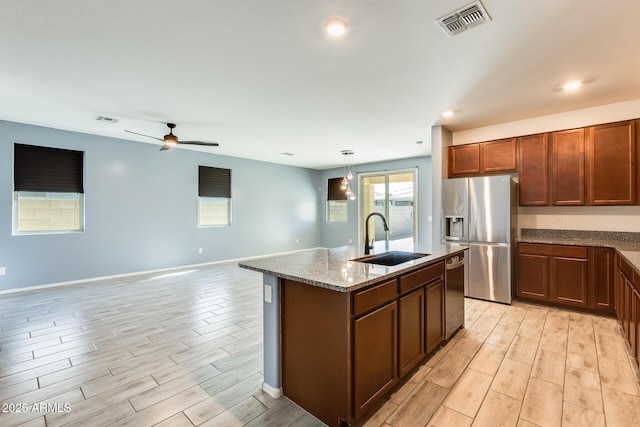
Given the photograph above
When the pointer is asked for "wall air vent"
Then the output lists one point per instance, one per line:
(461, 19)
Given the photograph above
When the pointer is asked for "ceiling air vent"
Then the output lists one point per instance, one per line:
(466, 17)
(106, 119)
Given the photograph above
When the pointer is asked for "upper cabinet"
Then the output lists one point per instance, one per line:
(485, 157)
(534, 164)
(498, 156)
(611, 164)
(567, 168)
(464, 159)
(591, 166)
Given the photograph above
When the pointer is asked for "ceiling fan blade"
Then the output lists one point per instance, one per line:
(209, 144)
(142, 134)
(165, 147)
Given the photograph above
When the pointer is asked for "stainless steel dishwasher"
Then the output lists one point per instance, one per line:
(456, 274)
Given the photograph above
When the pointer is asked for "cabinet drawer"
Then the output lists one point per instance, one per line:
(552, 250)
(375, 296)
(418, 278)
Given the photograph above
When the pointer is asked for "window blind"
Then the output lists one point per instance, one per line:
(44, 169)
(214, 182)
(335, 191)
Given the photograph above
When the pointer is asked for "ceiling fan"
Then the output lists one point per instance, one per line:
(170, 140)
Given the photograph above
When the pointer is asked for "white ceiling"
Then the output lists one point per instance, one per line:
(261, 77)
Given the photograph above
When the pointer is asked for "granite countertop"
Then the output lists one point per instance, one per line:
(334, 269)
(627, 244)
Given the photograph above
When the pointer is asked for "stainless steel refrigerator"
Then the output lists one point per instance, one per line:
(481, 213)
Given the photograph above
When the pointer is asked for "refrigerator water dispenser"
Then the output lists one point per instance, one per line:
(454, 228)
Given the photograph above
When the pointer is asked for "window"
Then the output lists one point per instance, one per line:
(336, 201)
(48, 189)
(214, 196)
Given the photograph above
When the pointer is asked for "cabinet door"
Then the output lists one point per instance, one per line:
(496, 156)
(434, 315)
(619, 295)
(533, 276)
(464, 159)
(628, 306)
(637, 352)
(411, 330)
(567, 178)
(602, 287)
(533, 170)
(569, 280)
(611, 164)
(375, 356)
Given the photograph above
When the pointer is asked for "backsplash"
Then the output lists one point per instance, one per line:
(581, 234)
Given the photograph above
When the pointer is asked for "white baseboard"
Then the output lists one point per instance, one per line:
(136, 273)
(274, 392)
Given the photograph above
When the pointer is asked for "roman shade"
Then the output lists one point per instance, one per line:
(334, 189)
(44, 169)
(214, 182)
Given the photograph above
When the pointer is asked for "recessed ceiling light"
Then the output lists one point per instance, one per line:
(572, 85)
(447, 113)
(336, 27)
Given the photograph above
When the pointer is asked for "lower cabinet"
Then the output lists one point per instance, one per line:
(435, 315)
(343, 352)
(411, 330)
(627, 302)
(570, 276)
(375, 352)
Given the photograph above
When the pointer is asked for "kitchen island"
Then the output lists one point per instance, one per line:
(340, 333)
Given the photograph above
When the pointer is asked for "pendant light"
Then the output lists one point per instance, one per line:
(347, 165)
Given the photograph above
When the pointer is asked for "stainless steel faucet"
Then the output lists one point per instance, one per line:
(367, 246)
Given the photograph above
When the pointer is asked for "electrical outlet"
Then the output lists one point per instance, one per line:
(297, 240)
(350, 240)
(200, 250)
(3, 271)
(429, 218)
(558, 220)
(267, 293)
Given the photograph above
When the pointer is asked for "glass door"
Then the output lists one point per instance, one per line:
(391, 194)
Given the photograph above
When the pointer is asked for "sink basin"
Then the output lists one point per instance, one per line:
(391, 258)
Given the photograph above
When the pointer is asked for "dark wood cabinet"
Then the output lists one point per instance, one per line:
(411, 327)
(533, 170)
(569, 276)
(603, 272)
(434, 314)
(464, 159)
(567, 168)
(533, 274)
(342, 352)
(499, 156)
(627, 304)
(568, 282)
(611, 165)
(484, 158)
(375, 352)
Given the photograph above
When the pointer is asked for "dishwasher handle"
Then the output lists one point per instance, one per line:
(454, 262)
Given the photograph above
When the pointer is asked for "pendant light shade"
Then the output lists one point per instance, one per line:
(347, 165)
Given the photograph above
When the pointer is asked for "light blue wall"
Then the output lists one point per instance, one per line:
(141, 210)
(338, 234)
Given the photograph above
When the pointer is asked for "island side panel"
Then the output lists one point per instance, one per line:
(271, 327)
(316, 356)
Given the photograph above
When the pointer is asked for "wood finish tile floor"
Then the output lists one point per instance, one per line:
(184, 348)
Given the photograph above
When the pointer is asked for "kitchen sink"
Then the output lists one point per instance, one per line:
(391, 258)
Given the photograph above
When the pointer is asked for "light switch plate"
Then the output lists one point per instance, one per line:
(3, 271)
(267, 293)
